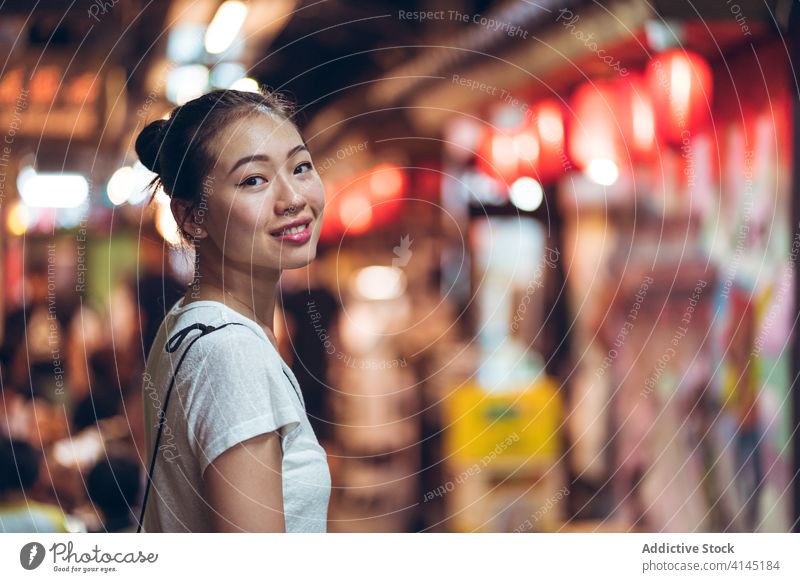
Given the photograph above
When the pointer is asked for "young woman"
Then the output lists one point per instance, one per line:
(232, 449)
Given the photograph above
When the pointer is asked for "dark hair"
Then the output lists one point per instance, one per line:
(19, 465)
(178, 149)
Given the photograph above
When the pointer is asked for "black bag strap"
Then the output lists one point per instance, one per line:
(171, 346)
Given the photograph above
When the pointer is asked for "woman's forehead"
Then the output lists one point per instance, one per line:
(258, 134)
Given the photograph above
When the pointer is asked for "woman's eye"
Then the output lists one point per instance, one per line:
(310, 167)
(251, 181)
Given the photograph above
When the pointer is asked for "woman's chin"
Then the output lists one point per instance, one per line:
(298, 258)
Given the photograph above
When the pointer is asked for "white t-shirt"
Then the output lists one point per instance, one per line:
(233, 385)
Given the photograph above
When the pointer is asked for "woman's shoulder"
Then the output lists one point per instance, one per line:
(226, 322)
(232, 341)
(232, 356)
(234, 338)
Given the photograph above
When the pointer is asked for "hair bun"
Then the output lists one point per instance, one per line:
(148, 144)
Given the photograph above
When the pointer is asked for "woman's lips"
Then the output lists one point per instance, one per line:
(300, 234)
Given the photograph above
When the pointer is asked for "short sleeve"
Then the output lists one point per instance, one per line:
(238, 391)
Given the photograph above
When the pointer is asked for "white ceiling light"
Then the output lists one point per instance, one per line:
(140, 179)
(130, 184)
(526, 194)
(165, 221)
(379, 283)
(224, 75)
(246, 84)
(602, 171)
(224, 27)
(119, 186)
(185, 43)
(186, 83)
(24, 175)
(59, 190)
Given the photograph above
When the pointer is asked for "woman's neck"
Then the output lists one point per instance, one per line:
(263, 314)
(247, 289)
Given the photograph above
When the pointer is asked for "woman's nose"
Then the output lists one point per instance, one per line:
(287, 201)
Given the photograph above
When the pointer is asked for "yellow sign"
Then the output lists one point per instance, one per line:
(512, 427)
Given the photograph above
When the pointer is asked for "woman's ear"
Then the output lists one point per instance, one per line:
(187, 218)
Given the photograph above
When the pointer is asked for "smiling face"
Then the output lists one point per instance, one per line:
(263, 197)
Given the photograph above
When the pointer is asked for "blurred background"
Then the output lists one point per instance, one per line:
(556, 287)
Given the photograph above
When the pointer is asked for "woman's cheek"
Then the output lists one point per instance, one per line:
(251, 218)
(318, 194)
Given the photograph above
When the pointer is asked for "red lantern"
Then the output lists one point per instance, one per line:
(427, 180)
(497, 156)
(369, 200)
(462, 137)
(594, 132)
(354, 206)
(387, 188)
(386, 182)
(637, 119)
(547, 125)
(526, 144)
(681, 85)
(503, 146)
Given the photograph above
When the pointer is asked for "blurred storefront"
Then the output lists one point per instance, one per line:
(555, 289)
(664, 187)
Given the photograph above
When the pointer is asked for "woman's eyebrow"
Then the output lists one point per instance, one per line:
(266, 158)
